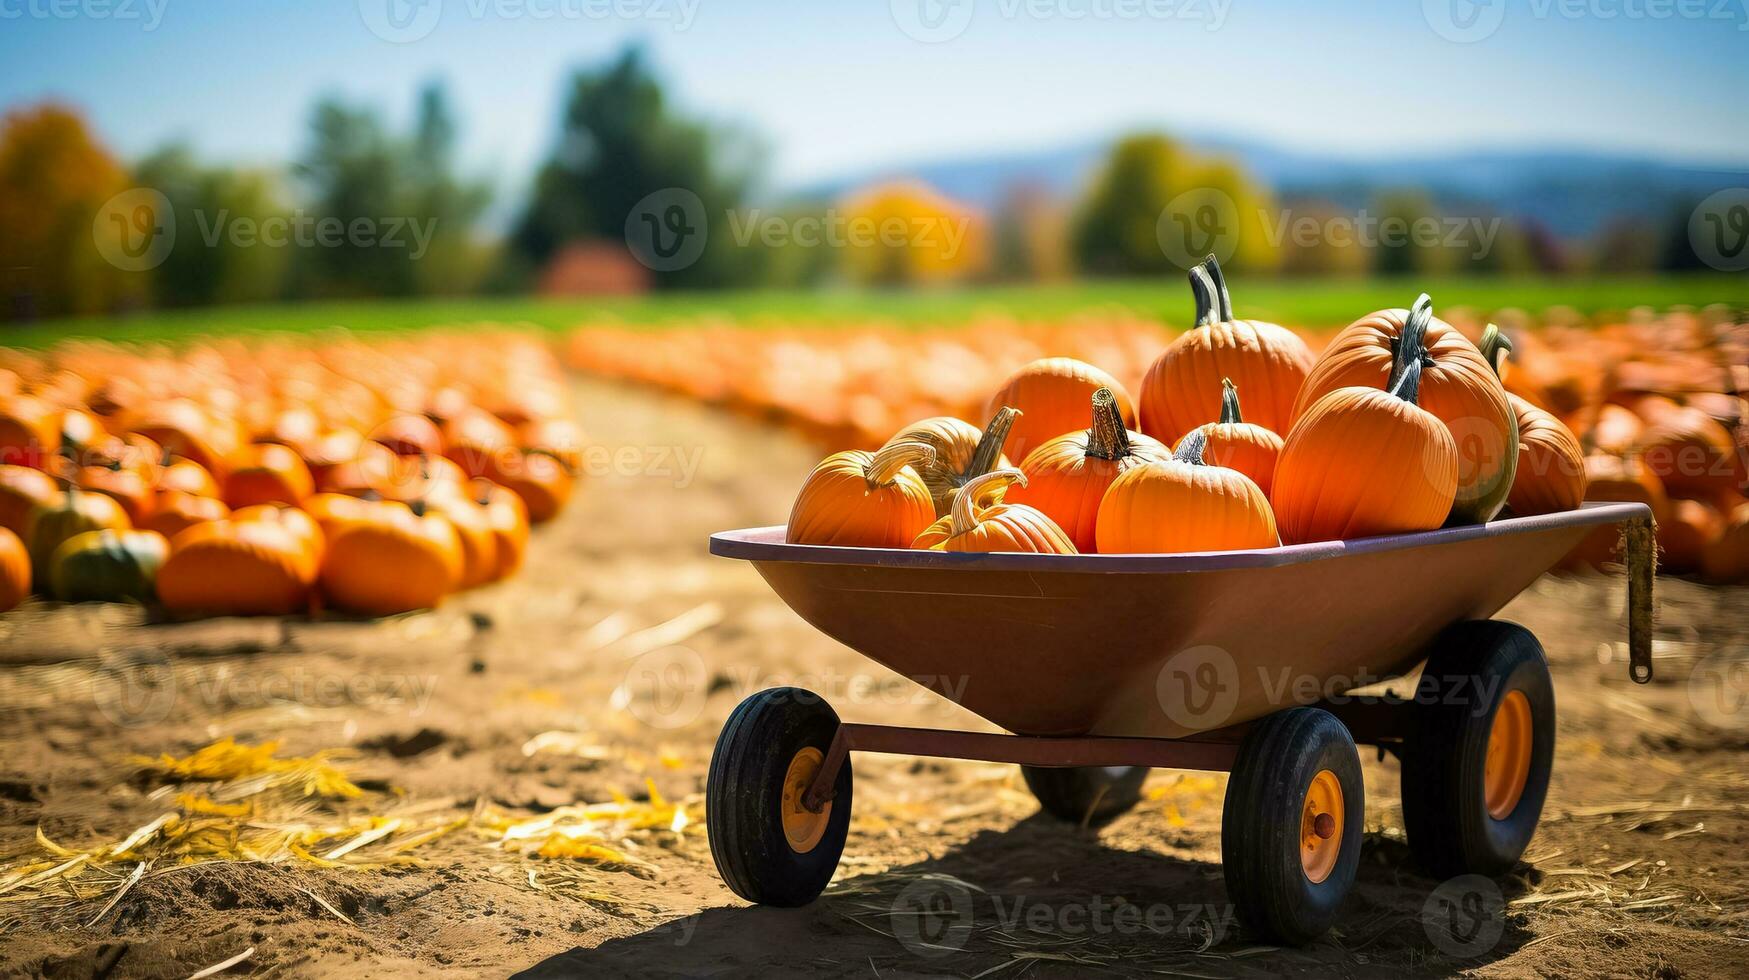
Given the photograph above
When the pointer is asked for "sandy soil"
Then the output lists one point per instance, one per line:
(1638, 870)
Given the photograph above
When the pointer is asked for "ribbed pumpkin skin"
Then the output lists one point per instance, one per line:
(1551, 466)
(1244, 446)
(955, 442)
(107, 566)
(839, 505)
(1182, 389)
(1052, 394)
(479, 546)
(174, 511)
(21, 490)
(1171, 507)
(268, 474)
(14, 570)
(1691, 453)
(1459, 387)
(236, 568)
(393, 562)
(1067, 484)
(1617, 479)
(1363, 462)
(1013, 528)
(70, 513)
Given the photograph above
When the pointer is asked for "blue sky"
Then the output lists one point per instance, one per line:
(837, 86)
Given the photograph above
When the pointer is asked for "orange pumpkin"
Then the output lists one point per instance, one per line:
(962, 453)
(64, 515)
(128, 487)
(184, 429)
(508, 518)
(268, 473)
(1067, 477)
(1000, 527)
(1683, 537)
(1727, 556)
(1182, 387)
(559, 438)
(299, 524)
(1362, 462)
(1617, 479)
(1184, 504)
(236, 568)
(175, 511)
(472, 439)
(394, 561)
(1458, 386)
(14, 570)
(1551, 465)
(862, 500)
(1051, 395)
(542, 481)
(1692, 453)
(1615, 431)
(187, 476)
(30, 431)
(21, 490)
(409, 435)
(1239, 445)
(473, 527)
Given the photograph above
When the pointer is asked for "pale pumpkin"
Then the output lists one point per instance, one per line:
(1550, 475)
(1184, 504)
(1362, 462)
(1457, 386)
(1051, 394)
(860, 500)
(1182, 388)
(999, 527)
(961, 452)
(1067, 477)
(1232, 442)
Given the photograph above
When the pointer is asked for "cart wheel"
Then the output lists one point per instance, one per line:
(1093, 795)
(1291, 824)
(1477, 757)
(770, 849)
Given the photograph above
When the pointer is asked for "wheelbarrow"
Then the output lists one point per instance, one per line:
(1104, 666)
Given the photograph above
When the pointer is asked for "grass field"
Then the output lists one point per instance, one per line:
(1293, 302)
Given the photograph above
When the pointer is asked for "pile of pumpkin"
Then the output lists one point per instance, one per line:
(1401, 423)
(281, 476)
(849, 387)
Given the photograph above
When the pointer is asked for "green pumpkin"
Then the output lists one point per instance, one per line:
(108, 566)
(69, 514)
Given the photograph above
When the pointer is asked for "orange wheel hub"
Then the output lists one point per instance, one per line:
(1321, 820)
(801, 826)
(1507, 767)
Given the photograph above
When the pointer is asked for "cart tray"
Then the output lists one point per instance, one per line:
(1160, 646)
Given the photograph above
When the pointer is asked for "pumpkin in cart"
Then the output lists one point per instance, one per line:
(14, 570)
(1184, 504)
(1051, 394)
(1457, 386)
(107, 566)
(1067, 477)
(396, 560)
(1551, 465)
(1182, 389)
(1363, 462)
(998, 527)
(857, 499)
(962, 453)
(1240, 445)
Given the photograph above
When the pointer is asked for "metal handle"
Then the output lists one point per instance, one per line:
(1642, 555)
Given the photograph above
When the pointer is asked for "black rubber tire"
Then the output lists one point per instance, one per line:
(1261, 823)
(1090, 795)
(743, 793)
(1470, 669)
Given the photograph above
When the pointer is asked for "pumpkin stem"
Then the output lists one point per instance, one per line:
(1230, 403)
(1410, 355)
(1203, 290)
(989, 448)
(1495, 346)
(964, 514)
(1213, 267)
(1190, 448)
(1107, 438)
(886, 464)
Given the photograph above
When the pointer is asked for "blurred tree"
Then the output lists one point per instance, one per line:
(208, 265)
(54, 179)
(1409, 239)
(1677, 253)
(907, 234)
(1506, 253)
(1309, 244)
(620, 142)
(1628, 245)
(1031, 236)
(400, 221)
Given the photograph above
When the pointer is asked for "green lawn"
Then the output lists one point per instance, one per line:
(1292, 302)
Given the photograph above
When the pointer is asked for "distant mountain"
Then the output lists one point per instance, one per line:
(1572, 193)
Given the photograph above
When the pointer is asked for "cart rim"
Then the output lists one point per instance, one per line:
(1506, 768)
(802, 827)
(1322, 817)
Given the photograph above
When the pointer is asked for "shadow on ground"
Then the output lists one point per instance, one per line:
(1052, 899)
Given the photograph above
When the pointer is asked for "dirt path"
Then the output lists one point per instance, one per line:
(625, 638)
